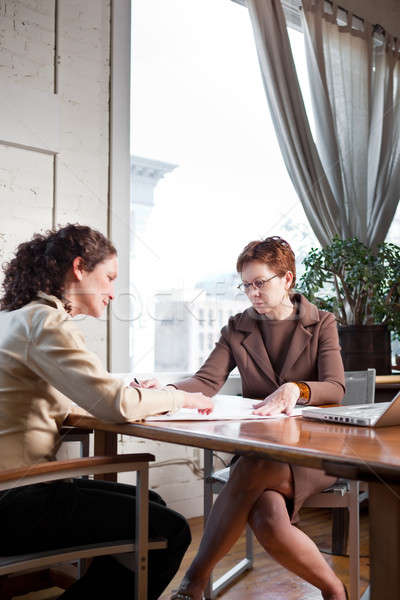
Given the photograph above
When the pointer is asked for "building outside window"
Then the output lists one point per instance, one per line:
(201, 317)
(201, 341)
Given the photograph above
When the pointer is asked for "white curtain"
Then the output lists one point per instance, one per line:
(353, 167)
(384, 150)
(354, 78)
(289, 117)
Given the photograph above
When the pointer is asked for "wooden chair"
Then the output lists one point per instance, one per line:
(80, 435)
(344, 497)
(51, 471)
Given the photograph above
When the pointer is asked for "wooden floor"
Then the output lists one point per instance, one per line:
(267, 579)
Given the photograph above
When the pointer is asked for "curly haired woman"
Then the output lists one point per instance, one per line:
(44, 364)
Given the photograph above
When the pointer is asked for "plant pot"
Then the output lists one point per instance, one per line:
(366, 347)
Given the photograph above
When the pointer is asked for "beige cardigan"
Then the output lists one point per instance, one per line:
(44, 364)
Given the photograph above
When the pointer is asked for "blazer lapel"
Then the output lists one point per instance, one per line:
(254, 345)
(300, 340)
(307, 315)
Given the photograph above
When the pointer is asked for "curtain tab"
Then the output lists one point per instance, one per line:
(349, 23)
(335, 12)
(368, 29)
(312, 5)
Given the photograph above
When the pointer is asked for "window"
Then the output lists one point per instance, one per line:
(208, 175)
(201, 317)
(210, 341)
(201, 341)
(394, 231)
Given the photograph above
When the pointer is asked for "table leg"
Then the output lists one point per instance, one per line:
(340, 530)
(384, 524)
(207, 506)
(106, 444)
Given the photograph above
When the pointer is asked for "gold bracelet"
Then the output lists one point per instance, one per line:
(305, 392)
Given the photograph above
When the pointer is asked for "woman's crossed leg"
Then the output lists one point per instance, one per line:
(256, 492)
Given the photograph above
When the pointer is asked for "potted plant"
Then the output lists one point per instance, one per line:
(362, 288)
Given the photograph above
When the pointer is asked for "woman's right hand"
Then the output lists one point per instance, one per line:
(149, 384)
(197, 400)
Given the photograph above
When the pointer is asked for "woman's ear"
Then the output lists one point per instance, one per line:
(288, 279)
(77, 268)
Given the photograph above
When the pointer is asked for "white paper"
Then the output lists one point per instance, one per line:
(225, 408)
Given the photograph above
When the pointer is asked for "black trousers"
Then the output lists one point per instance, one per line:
(80, 511)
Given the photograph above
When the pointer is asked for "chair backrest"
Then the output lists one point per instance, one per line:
(360, 387)
(232, 386)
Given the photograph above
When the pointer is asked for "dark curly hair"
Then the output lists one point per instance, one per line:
(41, 264)
(273, 251)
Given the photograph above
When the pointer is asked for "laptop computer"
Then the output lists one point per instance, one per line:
(381, 414)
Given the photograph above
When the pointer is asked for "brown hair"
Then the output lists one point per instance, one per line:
(274, 252)
(41, 264)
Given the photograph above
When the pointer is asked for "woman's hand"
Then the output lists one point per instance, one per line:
(150, 384)
(197, 400)
(282, 400)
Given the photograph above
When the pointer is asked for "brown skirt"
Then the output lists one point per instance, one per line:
(306, 482)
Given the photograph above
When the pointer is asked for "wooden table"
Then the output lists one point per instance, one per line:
(359, 453)
(386, 387)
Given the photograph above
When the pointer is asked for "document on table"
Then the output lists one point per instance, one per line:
(225, 408)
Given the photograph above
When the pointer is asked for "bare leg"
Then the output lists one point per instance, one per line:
(244, 498)
(291, 547)
(249, 479)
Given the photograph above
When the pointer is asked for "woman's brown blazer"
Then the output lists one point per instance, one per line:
(313, 357)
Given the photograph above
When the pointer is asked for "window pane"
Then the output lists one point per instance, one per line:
(208, 174)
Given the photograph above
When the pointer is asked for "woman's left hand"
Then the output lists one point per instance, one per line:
(282, 400)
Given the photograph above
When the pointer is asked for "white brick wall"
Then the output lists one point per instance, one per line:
(82, 181)
(25, 181)
(26, 66)
(27, 42)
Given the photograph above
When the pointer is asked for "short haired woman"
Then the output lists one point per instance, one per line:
(287, 352)
(44, 364)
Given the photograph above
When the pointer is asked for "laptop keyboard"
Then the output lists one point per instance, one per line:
(368, 411)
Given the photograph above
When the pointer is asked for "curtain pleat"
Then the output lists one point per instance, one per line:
(290, 119)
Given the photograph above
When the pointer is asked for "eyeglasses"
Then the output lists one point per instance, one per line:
(257, 284)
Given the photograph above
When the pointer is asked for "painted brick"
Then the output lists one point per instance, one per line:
(27, 34)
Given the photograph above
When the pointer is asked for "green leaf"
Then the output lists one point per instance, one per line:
(358, 285)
